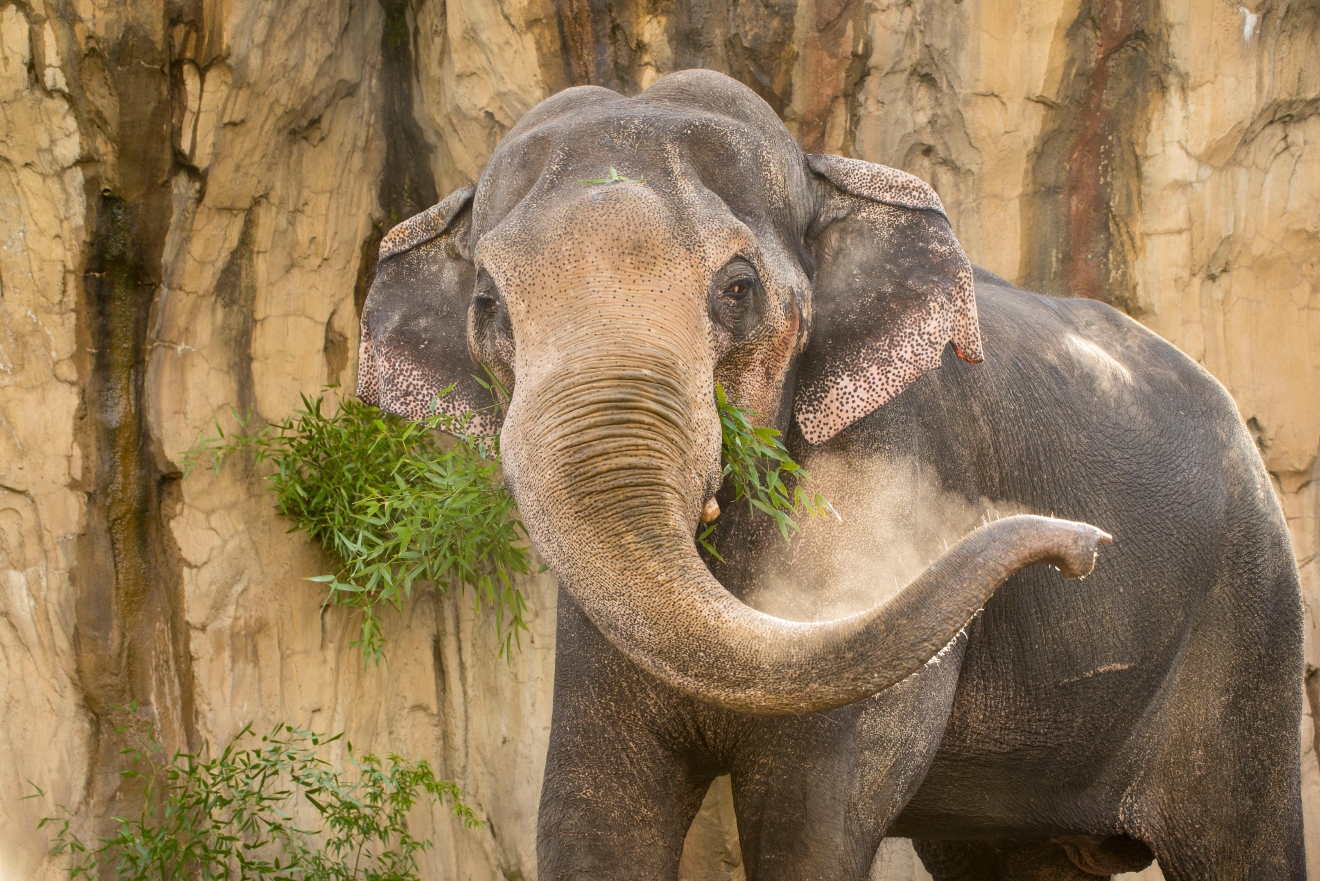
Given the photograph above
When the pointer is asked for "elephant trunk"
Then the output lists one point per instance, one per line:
(601, 461)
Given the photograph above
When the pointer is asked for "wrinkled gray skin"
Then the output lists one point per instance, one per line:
(1071, 730)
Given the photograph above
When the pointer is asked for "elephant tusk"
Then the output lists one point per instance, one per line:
(710, 510)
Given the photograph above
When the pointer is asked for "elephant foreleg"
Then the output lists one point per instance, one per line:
(620, 790)
(815, 794)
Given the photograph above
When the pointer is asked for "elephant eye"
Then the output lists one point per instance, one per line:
(734, 304)
(488, 306)
(490, 325)
(486, 292)
(739, 290)
(735, 298)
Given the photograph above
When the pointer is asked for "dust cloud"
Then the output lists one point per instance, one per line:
(895, 520)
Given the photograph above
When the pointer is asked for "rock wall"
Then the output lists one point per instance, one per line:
(191, 194)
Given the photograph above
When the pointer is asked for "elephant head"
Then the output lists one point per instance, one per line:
(617, 258)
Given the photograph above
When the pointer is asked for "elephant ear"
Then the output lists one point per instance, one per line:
(414, 323)
(892, 289)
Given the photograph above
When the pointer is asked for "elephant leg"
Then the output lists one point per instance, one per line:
(1237, 824)
(1240, 819)
(957, 860)
(620, 788)
(1220, 795)
(814, 794)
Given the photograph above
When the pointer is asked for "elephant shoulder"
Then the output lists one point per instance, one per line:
(1098, 370)
(1088, 341)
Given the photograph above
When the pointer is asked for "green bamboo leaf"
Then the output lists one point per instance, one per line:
(755, 465)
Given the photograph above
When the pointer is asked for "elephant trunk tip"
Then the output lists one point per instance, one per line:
(1076, 552)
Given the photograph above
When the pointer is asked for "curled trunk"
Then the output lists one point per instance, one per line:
(632, 564)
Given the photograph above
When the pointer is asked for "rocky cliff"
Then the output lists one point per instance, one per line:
(191, 195)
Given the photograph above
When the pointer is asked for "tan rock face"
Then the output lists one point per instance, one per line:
(190, 199)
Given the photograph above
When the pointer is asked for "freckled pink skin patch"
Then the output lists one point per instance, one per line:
(882, 366)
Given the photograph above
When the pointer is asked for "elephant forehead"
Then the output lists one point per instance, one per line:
(621, 230)
(684, 153)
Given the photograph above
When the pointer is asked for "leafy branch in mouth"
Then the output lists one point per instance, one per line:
(395, 503)
(757, 463)
(615, 178)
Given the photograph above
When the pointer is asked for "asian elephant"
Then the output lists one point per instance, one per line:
(620, 256)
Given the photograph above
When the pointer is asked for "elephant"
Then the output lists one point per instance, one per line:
(620, 256)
